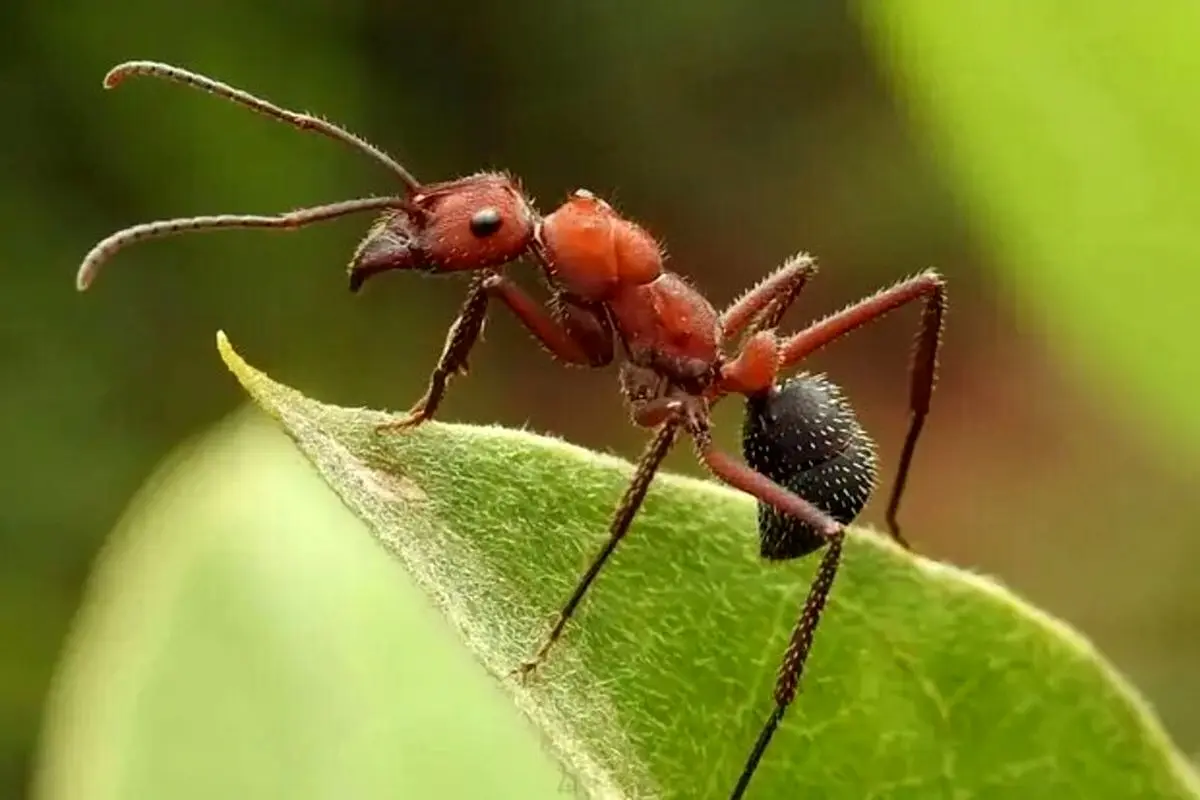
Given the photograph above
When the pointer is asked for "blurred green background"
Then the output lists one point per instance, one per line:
(1043, 155)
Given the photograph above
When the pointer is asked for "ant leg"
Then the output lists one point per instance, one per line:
(631, 501)
(775, 293)
(574, 334)
(571, 333)
(791, 669)
(787, 684)
(754, 483)
(461, 337)
(928, 285)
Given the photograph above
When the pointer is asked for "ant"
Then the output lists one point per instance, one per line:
(608, 287)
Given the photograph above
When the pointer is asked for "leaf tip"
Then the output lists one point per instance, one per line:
(255, 382)
(237, 365)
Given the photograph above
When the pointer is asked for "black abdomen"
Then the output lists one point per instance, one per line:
(804, 435)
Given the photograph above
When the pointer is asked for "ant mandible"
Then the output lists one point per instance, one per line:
(608, 287)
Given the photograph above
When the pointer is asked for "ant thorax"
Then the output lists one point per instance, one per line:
(670, 328)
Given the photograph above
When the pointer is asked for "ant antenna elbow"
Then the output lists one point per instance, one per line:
(110, 246)
(304, 122)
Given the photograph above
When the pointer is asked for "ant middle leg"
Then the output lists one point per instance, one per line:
(762, 306)
(631, 502)
(570, 332)
(757, 313)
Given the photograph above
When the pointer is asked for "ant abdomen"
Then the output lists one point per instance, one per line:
(805, 436)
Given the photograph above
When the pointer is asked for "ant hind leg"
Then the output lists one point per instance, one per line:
(928, 286)
(791, 669)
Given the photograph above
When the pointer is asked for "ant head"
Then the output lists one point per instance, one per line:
(591, 249)
(804, 435)
(480, 221)
(475, 222)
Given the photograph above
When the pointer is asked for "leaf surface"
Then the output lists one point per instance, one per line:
(925, 681)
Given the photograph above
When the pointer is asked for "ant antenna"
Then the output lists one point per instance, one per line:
(300, 218)
(304, 122)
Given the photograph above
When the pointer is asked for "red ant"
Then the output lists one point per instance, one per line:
(608, 287)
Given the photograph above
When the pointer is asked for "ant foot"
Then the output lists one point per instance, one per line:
(899, 538)
(526, 668)
(410, 420)
(524, 671)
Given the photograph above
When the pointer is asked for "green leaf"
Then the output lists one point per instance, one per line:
(925, 681)
(242, 637)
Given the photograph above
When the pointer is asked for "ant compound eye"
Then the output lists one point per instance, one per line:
(485, 222)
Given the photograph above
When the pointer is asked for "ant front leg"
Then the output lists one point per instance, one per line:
(571, 332)
(461, 337)
(929, 286)
(791, 669)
